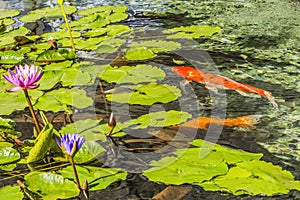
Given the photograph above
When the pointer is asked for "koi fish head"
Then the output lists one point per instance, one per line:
(189, 73)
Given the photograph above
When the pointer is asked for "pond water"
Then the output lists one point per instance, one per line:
(259, 45)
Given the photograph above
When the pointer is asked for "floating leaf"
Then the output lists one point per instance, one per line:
(146, 94)
(11, 57)
(47, 12)
(59, 35)
(149, 49)
(192, 31)
(8, 155)
(132, 74)
(41, 145)
(255, 178)
(97, 177)
(91, 129)
(8, 13)
(221, 168)
(158, 119)
(11, 193)
(55, 56)
(13, 101)
(63, 99)
(89, 151)
(139, 53)
(50, 186)
(110, 46)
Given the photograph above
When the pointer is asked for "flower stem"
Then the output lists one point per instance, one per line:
(75, 172)
(68, 27)
(36, 123)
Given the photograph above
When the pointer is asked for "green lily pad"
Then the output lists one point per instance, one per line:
(149, 49)
(89, 151)
(8, 13)
(99, 9)
(157, 45)
(132, 74)
(11, 57)
(157, 119)
(8, 167)
(50, 186)
(97, 177)
(8, 155)
(63, 100)
(13, 101)
(145, 94)
(139, 53)
(117, 29)
(110, 45)
(57, 35)
(91, 129)
(55, 56)
(192, 31)
(47, 12)
(11, 193)
(222, 169)
(255, 178)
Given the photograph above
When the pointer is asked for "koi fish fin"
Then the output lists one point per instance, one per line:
(246, 94)
(272, 101)
(182, 84)
(212, 88)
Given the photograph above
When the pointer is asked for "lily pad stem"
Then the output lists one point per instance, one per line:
(36, 123)
(75, 172)
(68, 27)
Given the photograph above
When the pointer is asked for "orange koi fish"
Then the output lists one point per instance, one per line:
(214, 82)
(204, 122)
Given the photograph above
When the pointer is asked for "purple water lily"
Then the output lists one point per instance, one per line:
(23, 78)
(70, 143)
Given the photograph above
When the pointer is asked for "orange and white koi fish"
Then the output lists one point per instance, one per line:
(214, 82)
(204, 122)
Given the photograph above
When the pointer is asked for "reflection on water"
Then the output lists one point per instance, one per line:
(132, 4)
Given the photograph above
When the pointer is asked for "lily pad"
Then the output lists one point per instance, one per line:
(8, 155)
(110, 45)
(63, 100)
(89, 151)
(255, 178)
(47, 12)
(13, 101)
(149, 49)
(139, 53)
(222, 169)
(8, 13)
(55, 56)
(145, 94)
(59, 35)
(91, 129)
(157, 119)
(11, 193)
(192, 31)
(97, 177)
(132, 74)
(11, 57)
(50, 186)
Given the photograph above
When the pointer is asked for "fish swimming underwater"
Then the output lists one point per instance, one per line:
(204, 122)
(214, 82)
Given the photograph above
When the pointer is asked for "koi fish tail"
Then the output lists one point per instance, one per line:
(244, 121)
(270, 97)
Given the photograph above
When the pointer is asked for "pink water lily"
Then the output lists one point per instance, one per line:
(24, 78)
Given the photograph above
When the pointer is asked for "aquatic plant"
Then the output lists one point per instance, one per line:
(61, 2)
(25, 78)
(70, 144)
